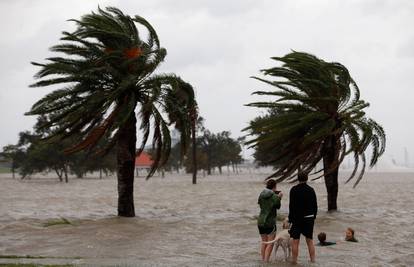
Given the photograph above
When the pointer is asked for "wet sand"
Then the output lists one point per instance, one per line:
(212, 223)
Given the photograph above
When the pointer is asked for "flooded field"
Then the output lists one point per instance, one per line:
(211, 223)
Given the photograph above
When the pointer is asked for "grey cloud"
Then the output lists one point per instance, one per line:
(217, 45)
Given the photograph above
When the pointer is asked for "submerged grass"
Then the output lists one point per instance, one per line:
(33, 265)
(57, 222)
(34, 257)
(21, 257)
(5, 170)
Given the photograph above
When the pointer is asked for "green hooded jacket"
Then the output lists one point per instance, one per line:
(269, 202)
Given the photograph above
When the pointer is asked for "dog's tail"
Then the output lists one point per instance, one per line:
(272, 241)
(280, 236)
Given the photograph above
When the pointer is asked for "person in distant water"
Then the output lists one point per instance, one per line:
(322, 240)
(350, 235)
(303, 208)
(269, 202)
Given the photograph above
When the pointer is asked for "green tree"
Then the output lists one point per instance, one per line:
(219, 149)
(201, 159)
(233, 153)
(38, 155)
(15, 155)
(318, 116)
(106, 73)
(82, 162)
(195, 120)
(207, 143)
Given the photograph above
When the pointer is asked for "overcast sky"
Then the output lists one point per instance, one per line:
(216, 45)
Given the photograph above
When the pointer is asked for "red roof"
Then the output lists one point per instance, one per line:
(144, 160)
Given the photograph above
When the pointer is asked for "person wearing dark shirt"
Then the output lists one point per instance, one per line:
(303, 208)
(322, 240)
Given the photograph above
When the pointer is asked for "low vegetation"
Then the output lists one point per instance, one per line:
(59, 221)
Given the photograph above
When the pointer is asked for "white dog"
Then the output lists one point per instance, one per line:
(283, 239)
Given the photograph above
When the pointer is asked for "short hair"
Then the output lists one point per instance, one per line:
(270, 184)
(322, 237)
(302, 176)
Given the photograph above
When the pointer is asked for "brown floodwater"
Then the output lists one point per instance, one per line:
(212, 223)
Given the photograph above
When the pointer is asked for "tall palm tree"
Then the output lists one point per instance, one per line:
(318, 116)
(106, 73)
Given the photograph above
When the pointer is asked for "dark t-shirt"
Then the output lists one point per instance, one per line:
(302, 202)
(326, 243)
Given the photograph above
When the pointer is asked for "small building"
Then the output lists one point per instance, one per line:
(143, 162)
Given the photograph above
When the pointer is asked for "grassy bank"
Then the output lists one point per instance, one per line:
(57, 222)
(34, 257)
(33, 265)
(5, 170)
(17, 257)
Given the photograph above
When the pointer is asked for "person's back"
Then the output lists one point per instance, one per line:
(269, 203)
(303, 208)
(302, 202)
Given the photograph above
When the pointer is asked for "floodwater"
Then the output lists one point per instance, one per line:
(211, 223)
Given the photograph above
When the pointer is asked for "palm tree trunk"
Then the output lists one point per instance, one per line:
(126, 164)
(65, 171)
(330, 159)
(193, 136)
(208, 165)
(59, 174)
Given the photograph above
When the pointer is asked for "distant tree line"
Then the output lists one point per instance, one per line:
(33, 154)
(213, 150)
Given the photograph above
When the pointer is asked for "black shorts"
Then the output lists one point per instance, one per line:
(304, 227)
(266, 230)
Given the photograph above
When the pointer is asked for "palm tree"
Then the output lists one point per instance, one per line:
(318, 115)
(105, 75)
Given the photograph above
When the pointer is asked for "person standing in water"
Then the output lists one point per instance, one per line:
(303, 208)
(269, 202)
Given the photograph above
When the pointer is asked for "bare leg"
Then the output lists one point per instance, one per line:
(263, 246)
(295, 250)
(311, 249)
(269, 248)
(276, 245)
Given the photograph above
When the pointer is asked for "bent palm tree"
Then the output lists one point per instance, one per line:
(108, 73)
(318, 116)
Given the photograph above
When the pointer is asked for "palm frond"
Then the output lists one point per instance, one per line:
(314, 101)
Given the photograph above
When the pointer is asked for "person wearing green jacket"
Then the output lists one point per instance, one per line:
(269, 202)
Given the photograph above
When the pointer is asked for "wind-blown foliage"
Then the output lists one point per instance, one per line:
(317, 110)
(105, 73)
